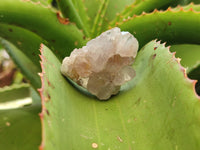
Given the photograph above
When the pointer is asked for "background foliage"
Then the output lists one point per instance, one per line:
(158, 109)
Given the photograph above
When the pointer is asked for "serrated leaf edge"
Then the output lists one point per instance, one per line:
(41, 90)
(188, 8)
(182, 69)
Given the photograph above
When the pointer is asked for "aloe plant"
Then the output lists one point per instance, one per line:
(158, 109)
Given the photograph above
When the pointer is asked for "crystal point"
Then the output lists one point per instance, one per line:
(104, 64)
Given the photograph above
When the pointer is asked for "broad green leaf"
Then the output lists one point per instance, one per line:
(113, 7)
(61, 36)
(139, 7)
(189, 54)
(147, 6)
(116, 6)
(20, 129)
(107, 11)
(185, 2)
(92, 8)
(26, 66)
(190, 58)
(76, 12)
(194, 72)
(157, 110)
(14, 92)
(173, 27)
(28, 42)
(44, 2)
(35, 96)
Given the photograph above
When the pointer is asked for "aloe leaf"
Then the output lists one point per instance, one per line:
(194, 73)
(76, 12)
(113, 7)
(61, 36)
(101, 12)
(26, 66)
(14, 92)
(35, 96)
(20, 129)
(44, 2)
(96, 29)
(139, 7)
(189, 54)
(157, 110)
(190, 58)
(26, 41)
(185, 2)
(92, 8)
(173, 27)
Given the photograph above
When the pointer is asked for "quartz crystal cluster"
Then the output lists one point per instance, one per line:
(104, 64)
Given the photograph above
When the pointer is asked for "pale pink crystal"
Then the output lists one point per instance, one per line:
(104, 64)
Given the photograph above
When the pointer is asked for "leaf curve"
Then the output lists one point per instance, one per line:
(156, 110)
(167, 26)
(11, 93)
(27, 67)
(62, 38)
(28, 42)
(20, 128)
(76, 12)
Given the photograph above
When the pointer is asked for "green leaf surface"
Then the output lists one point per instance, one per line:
(185, 2)
(173, 27)
(62, 37)
(20, 129)
(114, 7)
(140, 6)
(190, 58)
(14, 92)
(28, 42)
(189, 54)
(76, 12)
(99, 19)
(44, 2)
(157, 110)
(35, 96)
(195, 72)
(27, 67)
(101, 12)
(92, 8)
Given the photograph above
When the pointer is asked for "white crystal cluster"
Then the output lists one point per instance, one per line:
(104, 64)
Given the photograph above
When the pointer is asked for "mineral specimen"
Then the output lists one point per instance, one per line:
(104, 64)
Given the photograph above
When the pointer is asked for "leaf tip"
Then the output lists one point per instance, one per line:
(155, 10)
(169, 9)
(143, 13)
(62, 20)
(181, 9)
(191, 9)
(183, 70)
(41, 147)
